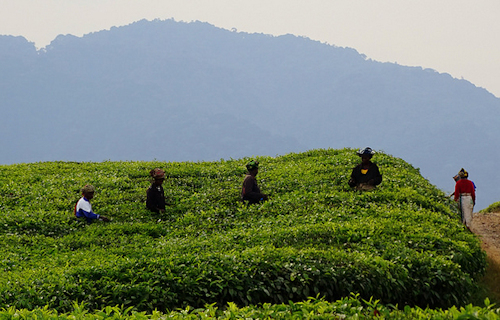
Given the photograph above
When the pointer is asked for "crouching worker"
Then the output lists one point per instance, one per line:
(250, 191)
(155, 196)
(365, 176)
(83, 208)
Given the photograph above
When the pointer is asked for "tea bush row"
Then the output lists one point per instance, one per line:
(347, 308)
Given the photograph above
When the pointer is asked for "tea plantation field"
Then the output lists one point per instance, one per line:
(402, 243)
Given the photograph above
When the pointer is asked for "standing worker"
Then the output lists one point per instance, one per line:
(250, 191)
(155, 196)
(465, 195)
(366, 175)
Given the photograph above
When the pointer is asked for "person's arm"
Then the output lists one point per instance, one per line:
(246, 187)
(377, 177)
(353, 181)
(251, 190)
(457, 191)
(473, 192)
(89, 214)
(149, 200)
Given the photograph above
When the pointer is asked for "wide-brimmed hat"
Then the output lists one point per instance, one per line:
(365, 152)
(253, 164)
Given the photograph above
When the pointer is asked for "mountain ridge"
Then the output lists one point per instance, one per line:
(190, 91)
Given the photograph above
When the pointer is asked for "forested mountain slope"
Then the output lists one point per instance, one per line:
(190, 91)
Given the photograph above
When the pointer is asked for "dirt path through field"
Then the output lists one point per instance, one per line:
(487, 227)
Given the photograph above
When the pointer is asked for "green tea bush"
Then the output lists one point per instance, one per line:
(352, 307)
(494, 207)
(402, 243)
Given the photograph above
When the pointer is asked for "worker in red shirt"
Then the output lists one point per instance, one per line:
(465, 195)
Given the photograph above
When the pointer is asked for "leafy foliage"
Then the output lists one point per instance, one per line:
(351, 307)
(402, 243)
(494, 207)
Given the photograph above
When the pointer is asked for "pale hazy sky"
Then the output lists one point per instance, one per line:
(459, 37)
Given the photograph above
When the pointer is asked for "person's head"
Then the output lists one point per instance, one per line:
(253, 167)
(463, 174)
(365, 154)
(88, 191)
(157, 175)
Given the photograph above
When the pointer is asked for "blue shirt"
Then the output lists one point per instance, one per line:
(83, 209)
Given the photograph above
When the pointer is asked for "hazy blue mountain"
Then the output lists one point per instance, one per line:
(178, 91)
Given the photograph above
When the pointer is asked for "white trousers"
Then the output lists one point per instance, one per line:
(466, 208)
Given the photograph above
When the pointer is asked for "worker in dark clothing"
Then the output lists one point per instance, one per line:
(155, 200)
(366, 175)
(250, 191)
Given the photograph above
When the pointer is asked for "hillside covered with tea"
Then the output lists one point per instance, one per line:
(402, 243)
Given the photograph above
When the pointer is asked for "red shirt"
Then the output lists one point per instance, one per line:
(464, 186)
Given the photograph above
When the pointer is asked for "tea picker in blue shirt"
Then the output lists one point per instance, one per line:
(83, 208)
